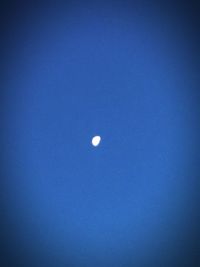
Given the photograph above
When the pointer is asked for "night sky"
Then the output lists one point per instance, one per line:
(127, 71)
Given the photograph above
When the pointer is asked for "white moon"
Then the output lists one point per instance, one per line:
(96, 140)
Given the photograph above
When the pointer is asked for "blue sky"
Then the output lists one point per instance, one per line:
(122, 73)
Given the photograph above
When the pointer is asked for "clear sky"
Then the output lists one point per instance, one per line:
(121, 71)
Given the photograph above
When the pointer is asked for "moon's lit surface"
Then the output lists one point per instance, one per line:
(120, 69)
(96, 140)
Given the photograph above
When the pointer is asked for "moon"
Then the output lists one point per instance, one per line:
(96, 140)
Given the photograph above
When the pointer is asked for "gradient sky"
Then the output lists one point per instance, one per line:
(120, 70)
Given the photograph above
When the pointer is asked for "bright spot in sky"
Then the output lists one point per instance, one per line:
(96, 140)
